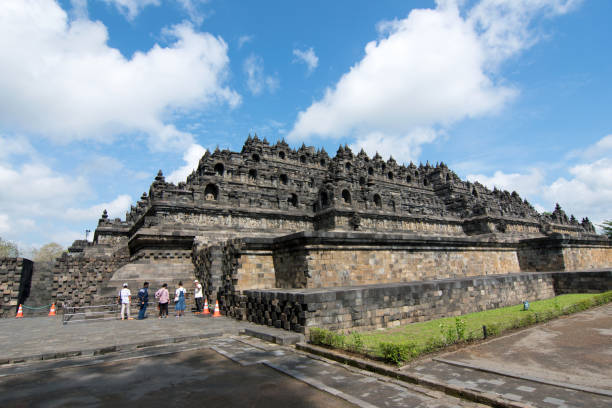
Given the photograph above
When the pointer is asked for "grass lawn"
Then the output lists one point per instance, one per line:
(404, 343)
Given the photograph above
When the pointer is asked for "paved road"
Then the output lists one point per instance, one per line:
(222, 372)
(563, 363)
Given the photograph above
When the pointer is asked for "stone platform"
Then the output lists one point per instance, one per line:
(387, 305)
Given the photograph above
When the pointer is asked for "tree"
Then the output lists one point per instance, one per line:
(8, 249)
(606, 225)
(48, 252)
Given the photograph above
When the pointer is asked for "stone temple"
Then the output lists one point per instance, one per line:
(297, 238)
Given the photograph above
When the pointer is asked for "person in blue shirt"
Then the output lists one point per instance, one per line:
(143, 300)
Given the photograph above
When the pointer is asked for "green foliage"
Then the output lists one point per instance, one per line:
(355, 342)
(48, 252)
(8, 249)
(399, 345)
(398, 353)
(324, 337)
(460, 326)
(606, 226)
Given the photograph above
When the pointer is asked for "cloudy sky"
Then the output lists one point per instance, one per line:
(97, 95)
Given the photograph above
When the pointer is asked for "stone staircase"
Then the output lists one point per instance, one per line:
(135, 274)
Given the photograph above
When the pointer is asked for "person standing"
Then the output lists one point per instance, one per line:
(198, 296)
(163, 298)
(125, 297)
(143, 300)
(179, 298)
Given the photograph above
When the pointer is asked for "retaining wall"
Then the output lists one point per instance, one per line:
(389, 305)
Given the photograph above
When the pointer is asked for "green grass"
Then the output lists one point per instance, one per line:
(404, 343)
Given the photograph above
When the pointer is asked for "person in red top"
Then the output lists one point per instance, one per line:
(163, 298)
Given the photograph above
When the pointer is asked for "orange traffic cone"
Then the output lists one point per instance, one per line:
(206, 310)
(217, 313)
(19, 312)
(52, 311)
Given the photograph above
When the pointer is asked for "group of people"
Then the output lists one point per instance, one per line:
(163, 299)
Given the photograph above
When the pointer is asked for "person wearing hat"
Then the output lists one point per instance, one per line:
(198, 296)
(125, 296)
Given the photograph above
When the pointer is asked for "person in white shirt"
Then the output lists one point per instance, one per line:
(125, 296)
(198, 296)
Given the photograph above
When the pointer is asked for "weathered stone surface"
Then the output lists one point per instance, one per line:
(271, 216)
(388, 305)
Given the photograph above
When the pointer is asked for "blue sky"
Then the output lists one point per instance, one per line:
(97, 95)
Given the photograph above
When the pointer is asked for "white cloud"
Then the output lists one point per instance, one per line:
(528, 184)
(602, 147)
(59, 78)
(429, 70)
(4, 224)
(308, 57)
(244, 39)
(15, 145)
(116, 209)
(257, 81)
(406, 148)
(504, 25)
(131, 8)
(192, 158)
(587, 193)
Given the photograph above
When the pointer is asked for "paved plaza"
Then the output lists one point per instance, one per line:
(563, 363)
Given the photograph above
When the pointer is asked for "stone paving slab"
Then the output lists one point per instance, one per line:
(358, 387)
(43, 338)
(514, 389)
(574, 350)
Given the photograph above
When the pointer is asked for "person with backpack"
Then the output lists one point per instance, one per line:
(143, 300)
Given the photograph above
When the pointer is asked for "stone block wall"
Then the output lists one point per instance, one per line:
(10, 277)
(79, 279)
(564, 252)
(378, 306)
(330, 267)
(579, 282)
(233, 267)
(328, 259)
(41, 289)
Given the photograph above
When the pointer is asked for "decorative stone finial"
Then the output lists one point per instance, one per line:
(160, 176)
(104, 215)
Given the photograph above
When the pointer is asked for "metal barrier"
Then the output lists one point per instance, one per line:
(79, 314)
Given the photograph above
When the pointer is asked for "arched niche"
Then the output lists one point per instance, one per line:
(347, 166)
(253, 174)
(371, 171)
(293, 200)
(281, 155)
(284, 179)
(211, 192)
(377, 201)
(390, 175)
(256, 158)
(219, 169)
(362, 181)
(324, 198)
(346, 196)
